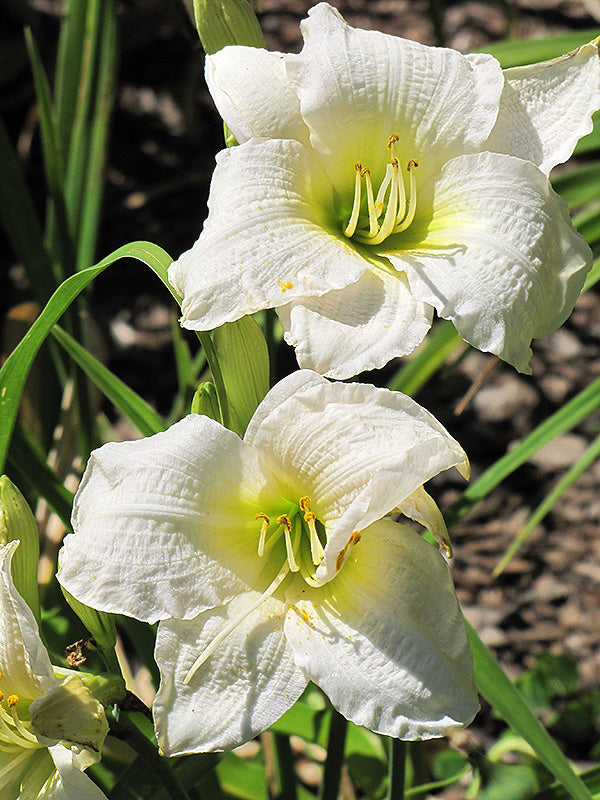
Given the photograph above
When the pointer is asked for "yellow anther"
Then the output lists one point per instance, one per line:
(285, 522)
(1, 696)
(304, 503)
(263, 531)
(399, 204)
(12, 700)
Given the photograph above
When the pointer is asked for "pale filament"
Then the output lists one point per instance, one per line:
(12, 730)
(401, 204)
(231, 626)
(263, 532)
(285, 523)
(316, 548)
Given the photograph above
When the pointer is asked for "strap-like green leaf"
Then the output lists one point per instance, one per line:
(21, 222)
(508, 702)
(146, 419)
(14, 372)
(517, 52)
(28, 463)
(440, 343)
(587, 459)
(571, 414)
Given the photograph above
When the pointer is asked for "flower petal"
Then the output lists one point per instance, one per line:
(386, 640)
(267, 239)
(546, 108)
(495, 252)
(245, 685)
(25, 668)
(253, 94)
(357, 328)
(164, 526)
(355, 450)
(358, 87)
(73, 784)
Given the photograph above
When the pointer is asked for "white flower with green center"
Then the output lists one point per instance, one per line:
(32, 765)
(378, 179)
(268, 563)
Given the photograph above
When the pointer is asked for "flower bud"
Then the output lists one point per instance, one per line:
(17, 522)
(244, 360)
(205, 401)
(224, 22)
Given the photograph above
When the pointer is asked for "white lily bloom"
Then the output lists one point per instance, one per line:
(377, 179)
(268, 564)
(32, 766)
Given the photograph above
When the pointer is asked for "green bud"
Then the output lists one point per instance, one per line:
(70, 712)
(244, 361)
(224, 22)
(205, 401)
(17, 522)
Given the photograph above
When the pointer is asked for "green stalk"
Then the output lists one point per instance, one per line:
(335, 756)
(123, 728)
(397, 769)
(285, 764)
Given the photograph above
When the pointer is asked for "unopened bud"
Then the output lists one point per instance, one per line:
(224, 22)
(17, 522)
(205, 401)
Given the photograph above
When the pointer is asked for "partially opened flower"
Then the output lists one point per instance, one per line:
(378, 179)
(268, 564)
(50, 729)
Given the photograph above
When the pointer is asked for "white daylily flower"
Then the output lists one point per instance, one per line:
(268, 564)
(378, 179)
(32, 766)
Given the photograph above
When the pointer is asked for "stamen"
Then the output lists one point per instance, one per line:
(263, 532)
(398, 200)
(286, 524)
(390, 213)
(19, 726)
(412, 198)
(316, 548)
(383, 188)
(12, 730)
(374, 213)
(220, 637)
(353, 221)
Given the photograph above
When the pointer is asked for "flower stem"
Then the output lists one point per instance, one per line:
(285, 763)
(217, 375)
(335, 756)
(397, 766)
(123, 728)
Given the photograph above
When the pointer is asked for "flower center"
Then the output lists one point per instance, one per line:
(303, 552)
(299, 530)
(400, 203)
(15, 735)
